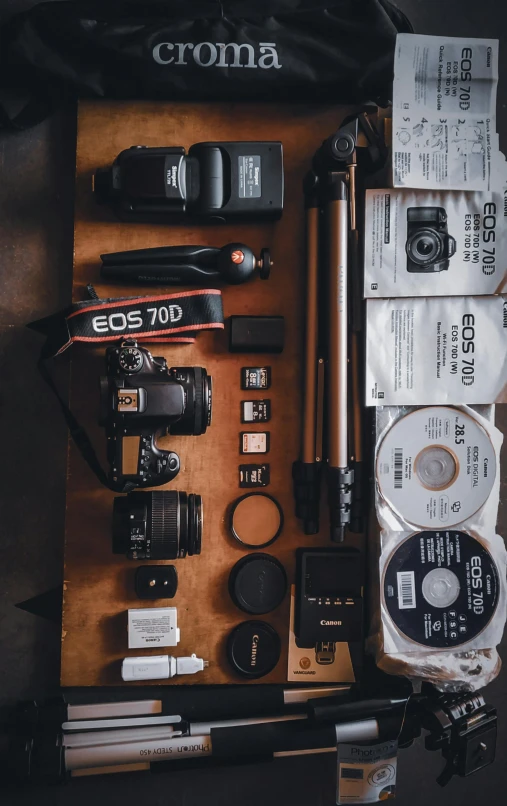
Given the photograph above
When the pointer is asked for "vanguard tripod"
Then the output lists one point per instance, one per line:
(333, 301)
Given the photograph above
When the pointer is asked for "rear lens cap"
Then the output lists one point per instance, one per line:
(257, 584)
(253, 649)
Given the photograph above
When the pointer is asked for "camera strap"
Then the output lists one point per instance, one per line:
(159, 318)
(162, 318)
(78, 434)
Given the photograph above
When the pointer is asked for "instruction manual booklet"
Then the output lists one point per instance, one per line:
(444, 113)
(435, 243)
(436, 350)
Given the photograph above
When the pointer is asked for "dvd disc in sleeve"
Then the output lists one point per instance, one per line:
(436, 467)
(440, 588)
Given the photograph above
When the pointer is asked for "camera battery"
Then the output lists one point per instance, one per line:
(254, 442)
(255, 377)
(254, 475)
(256, 334)
(255, 411)
(150, 627)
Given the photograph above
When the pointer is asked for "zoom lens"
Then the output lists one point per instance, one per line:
(425, 246)
(197, 387)
(158, 525)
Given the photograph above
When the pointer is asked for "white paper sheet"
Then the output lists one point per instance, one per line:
(444, 105)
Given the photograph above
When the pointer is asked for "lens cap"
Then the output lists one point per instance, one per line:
(253, 649)
(257, 584)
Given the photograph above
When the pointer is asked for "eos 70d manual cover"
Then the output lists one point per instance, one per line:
(436, 351)
(435, 243)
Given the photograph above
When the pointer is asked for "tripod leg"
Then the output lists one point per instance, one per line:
(340, 476)
(306, 472)
(359, 505)
(309, 453)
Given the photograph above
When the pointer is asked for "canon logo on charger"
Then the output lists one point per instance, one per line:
(206, 54)
(325, 623)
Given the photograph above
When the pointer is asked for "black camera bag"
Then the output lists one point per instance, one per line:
(338, 51)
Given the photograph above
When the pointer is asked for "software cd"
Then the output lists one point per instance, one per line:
(436, 467)
(441, 588)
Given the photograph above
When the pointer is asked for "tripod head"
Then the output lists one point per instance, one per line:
(357, 141)
(462, 726)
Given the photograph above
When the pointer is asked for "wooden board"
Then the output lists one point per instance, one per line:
(99, 586)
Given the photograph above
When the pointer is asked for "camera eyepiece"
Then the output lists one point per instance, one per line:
(158, 525)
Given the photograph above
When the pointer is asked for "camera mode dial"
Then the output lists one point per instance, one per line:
(130, 359)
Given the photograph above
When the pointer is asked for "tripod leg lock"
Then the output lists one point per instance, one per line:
(342, 477)
(306, 478)
(339, 487)
(359, 510)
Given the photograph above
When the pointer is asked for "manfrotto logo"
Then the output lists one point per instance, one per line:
(206, 54)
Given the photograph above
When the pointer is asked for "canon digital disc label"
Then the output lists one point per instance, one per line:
(436, 466)
(441, 588)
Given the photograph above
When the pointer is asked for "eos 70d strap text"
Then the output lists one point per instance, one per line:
(161, 318)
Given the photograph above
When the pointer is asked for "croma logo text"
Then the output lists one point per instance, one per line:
(206, 54)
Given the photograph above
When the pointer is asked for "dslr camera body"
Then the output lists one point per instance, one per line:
(217, 181)
(429, 246)
(141, 399)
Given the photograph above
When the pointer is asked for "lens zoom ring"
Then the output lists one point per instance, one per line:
(164, 525)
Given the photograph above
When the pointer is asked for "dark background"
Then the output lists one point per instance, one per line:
(36, 225)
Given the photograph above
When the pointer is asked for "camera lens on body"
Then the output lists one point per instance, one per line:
(197, 386)
(425, 246)
(158, 525)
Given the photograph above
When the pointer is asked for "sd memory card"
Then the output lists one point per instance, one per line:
(255, 411)
(254, 442)
(255, 377)
(253, 475)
